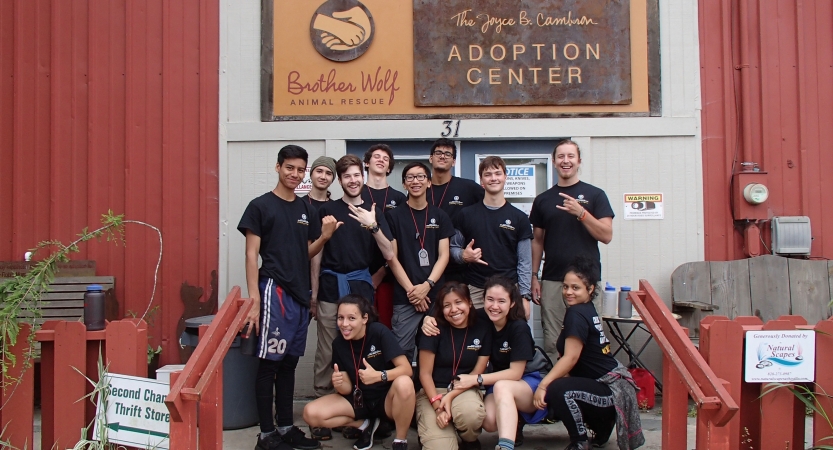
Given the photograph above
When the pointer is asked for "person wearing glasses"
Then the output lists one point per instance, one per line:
(450, 193)
(421, 234)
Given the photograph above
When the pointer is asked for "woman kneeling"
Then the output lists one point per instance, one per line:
(462, 347)
(371, 375)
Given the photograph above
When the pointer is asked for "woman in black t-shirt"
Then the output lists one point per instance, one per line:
(371, 376)
(587, 385)
(461, 347)
(512, 346)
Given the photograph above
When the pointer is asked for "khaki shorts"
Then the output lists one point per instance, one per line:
(467, 414)
(327, 331)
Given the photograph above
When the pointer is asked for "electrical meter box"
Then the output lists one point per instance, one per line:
(750, 194)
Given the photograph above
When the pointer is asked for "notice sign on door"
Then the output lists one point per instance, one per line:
(306, 184)
(643, 207)
(780, 356)
(520, 181)
(136, 412)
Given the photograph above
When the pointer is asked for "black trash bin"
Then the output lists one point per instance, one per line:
(239, 373)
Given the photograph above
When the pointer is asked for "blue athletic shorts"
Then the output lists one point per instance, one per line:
(283, 323)
(533, 380)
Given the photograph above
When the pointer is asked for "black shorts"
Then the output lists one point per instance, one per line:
(374, 407)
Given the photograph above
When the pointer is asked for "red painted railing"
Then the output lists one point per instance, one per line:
(66, 346)
(200, 384)
(685, 373)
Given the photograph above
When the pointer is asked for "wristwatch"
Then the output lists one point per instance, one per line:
(480, 380)
(384, 375)
(526, 297)
(374, 228)
(430, 283)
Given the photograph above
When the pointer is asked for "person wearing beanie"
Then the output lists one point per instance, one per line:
(322, 174)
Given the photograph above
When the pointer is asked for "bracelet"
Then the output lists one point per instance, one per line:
(583, 214)
(435, 398)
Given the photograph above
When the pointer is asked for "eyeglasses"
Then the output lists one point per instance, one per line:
(418, 177)
(439, 153)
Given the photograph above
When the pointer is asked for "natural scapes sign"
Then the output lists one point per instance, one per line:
(780, 356)
(412, 58)
(529, 52)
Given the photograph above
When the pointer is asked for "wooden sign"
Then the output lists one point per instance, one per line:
(80, 268)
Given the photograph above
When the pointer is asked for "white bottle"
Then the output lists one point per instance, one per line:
(609, 301)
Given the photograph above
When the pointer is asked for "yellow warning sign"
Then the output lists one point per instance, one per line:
(643, 197)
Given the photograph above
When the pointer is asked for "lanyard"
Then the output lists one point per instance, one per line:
(455, 366)
(355, 363)
(373, 200)
(420, 236)
(444, 191)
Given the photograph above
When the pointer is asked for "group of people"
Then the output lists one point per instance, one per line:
(440, 280)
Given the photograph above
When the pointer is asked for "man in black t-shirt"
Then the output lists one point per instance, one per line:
(569, 220)
(496, 237)
(285, 232)
(344, 263)
(450, 193)
(421, 233)
(378, 161)
(321, 175)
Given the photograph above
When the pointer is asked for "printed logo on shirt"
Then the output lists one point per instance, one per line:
(602, 338)
(373, 352)
(507, 225)
(456, 201)
(581, 199)
(391, 205)
(433, 224)
(303, 220)
(475, 345)
(505, 348)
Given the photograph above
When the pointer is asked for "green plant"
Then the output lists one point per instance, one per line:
(150, 318)
(810, 398)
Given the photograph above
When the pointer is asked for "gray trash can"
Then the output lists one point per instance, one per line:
(239, 373)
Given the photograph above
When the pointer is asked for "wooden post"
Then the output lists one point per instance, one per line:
(674, 407)
(16, 416)
(750, 411)
(211, 409)
(822, 432)
(721, 344)
(184, 433)
(70, 347)
(127, 342)
(782, 414)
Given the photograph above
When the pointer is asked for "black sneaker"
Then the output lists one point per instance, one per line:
(400, 445)
(271, 442)
(320, 433)
(298, 440)
(473, 445)
(578, 445)
(351, 433)
(365, 441)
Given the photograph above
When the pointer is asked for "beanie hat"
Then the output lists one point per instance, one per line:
(325, 161)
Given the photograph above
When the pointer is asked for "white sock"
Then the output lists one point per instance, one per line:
(364, 425)
(401, 440)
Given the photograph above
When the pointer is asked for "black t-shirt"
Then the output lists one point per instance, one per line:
(512, 343)
(565, 236)
(285, 229)
(497, 232)
(435, 227)
(582, 321)
(478, 342)
(380, 349)
(351, 248)
(316, 203)
(391, 199)
(452, 197)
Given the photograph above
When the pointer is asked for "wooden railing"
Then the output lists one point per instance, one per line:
(685, 373)
(199, 386)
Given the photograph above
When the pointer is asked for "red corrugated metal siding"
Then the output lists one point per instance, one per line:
(790, 125)
(114, 105)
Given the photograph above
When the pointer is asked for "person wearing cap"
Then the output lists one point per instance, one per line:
(322, 174)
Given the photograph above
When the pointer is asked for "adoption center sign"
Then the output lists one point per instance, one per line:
(135, 412)
(780, 356)
(412, 58)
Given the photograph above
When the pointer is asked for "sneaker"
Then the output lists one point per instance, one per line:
(500, 447)
(320, 433)
(298, 440)
(578, 445)
(473, 445)
(365, 441)
(400, 445)
(351, 433)
(271, 442)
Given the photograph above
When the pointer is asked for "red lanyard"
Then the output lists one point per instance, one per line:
(441, 198)
(373, 200)
(455, 366)
(356, 363)
(420, 236)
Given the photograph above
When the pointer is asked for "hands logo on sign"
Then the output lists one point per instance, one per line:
(342, 30)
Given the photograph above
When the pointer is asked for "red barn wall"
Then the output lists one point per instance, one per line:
(113, 104)
(785, 48)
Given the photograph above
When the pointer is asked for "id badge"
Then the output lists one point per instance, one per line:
(450, 386)
(358, 399)
(423, 258)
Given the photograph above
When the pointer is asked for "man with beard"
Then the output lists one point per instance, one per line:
(344, 265)
(321, 174)
(450, 193)
(569, 220)
(284, 231)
